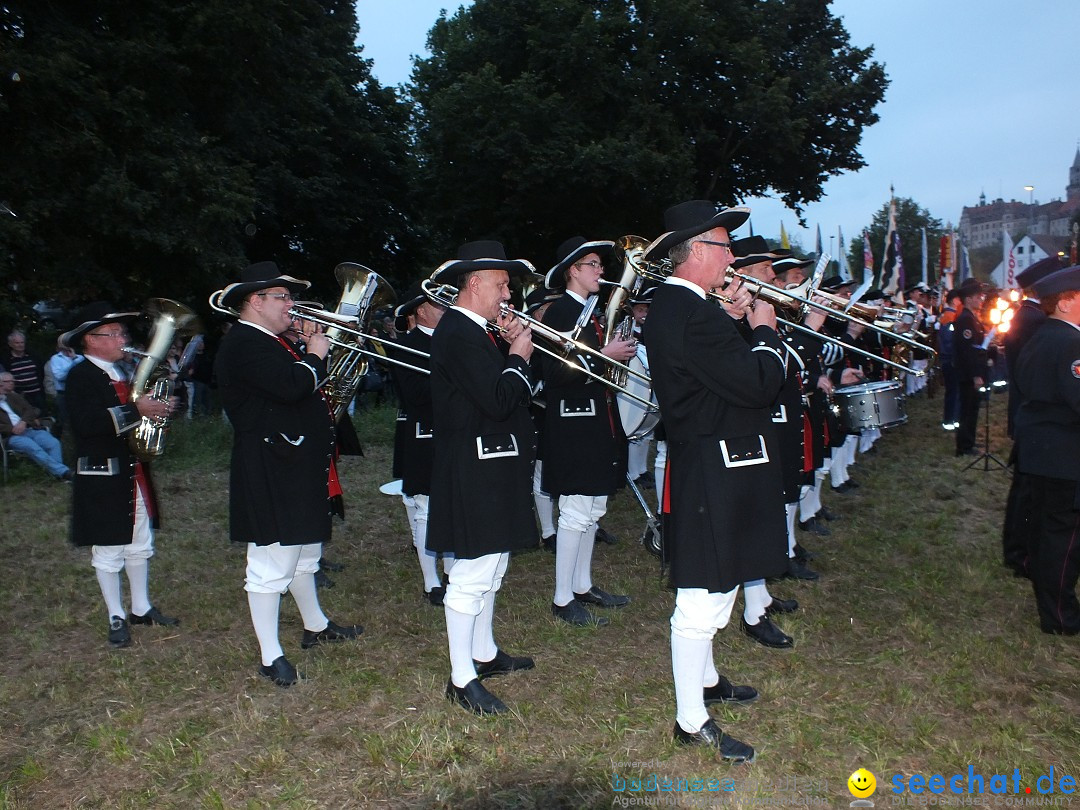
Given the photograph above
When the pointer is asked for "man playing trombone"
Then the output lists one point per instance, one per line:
(723, 519)
(584, 445)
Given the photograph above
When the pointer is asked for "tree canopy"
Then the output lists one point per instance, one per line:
(538, 119)
(155, 149)
(911, 218)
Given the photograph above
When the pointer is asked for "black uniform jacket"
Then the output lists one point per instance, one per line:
(723, 513)
(1029, 317)
(970, 356)
(485, 444)
(413, 445)
(283, 438)
(1048, 422)
(103, 497)
(584, 447)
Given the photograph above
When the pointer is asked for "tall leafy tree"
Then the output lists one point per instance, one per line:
(154, 149)
(911, 218)
(538, 119)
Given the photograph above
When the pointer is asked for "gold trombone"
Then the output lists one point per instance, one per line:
(563, 344)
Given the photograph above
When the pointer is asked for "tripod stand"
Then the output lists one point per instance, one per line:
(987, 456)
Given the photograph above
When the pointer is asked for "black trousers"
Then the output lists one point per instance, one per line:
(1054, 553)
(1017, 528)
(969, 417)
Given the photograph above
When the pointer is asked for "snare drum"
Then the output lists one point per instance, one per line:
(637, 420)
(870, 405)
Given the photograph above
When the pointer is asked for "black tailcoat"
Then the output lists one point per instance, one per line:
(724, 510)
(584, 447)
(970, 356)
(103, 497)
(283, 440)
(413, 444)
(485, 444)
(1029, 317)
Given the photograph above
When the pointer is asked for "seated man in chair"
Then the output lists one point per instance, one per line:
(22, 428)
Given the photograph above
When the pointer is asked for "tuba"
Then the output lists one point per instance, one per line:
(619, 325)
(363, 292)
(152, 374)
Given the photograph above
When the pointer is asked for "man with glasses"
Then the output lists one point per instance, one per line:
(283, 477)
(723, 524)
(584, 448)
(114, 506)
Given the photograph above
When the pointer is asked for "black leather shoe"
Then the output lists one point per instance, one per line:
(332, 633)
(781, 606)
(814, 526)
(851, 483)
(804, 555)
(281, 672)
(645, 481)
(828, 514)
(326, 565)
(502, 664)
(595, 596)
(604, 536)
(711, 735)
(548, 543)
(725, 692)
(322, 580)
(119, 634)
(435, 595)
(798, 570)
(575, 613)
(153, 616)
(475, 698)
(767, 633)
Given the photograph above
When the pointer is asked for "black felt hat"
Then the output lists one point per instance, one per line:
(782, 265)
(1041, 269)
(259, 276)
(753, 249)
(481, 255)
(691, 219)
(570, 251)
(91, 317)
(643, 296)
(1062, 281)
(835, 283)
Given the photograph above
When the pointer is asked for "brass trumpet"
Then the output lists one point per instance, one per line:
(561, 345)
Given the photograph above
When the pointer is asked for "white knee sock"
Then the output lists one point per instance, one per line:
(545, 504)
(689, 657)
(789, 512)
(637, 458)
(459, 636)
(483, 637)
(428, 560)
(138, 574)
(109, 582)
(264, 609)
(809, 501)
(755, 599)
(583, 568)
(306, 597)
(567, 543)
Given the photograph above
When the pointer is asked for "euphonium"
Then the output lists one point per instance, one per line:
(152, 375)
(363, 292)
(618, 325)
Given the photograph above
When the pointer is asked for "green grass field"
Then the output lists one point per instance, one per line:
(916, 653)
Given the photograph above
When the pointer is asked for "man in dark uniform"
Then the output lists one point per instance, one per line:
(584, 446)
(282, 476)
(413, 445)
(723, 518)
(114, 506)
(1029, 317)
(970, 359)
(481, 481)
(1048, 438)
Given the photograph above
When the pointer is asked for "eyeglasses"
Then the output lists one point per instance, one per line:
(718, 244)
(595, 265)
(113, 335)
(278, 296)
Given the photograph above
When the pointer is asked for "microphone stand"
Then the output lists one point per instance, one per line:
(987, 456)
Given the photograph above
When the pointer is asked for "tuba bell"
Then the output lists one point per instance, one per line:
(618, 324)
(152, 374)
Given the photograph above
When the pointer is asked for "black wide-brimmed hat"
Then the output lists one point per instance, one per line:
(753, 249)
(540, 296)
(259, 276)
(642, 296)
(482, 255)
(782, 265)
(414, 297)
(1041, 269)
(570, 251)
(691, 219)
(835, 283)
(1065, 280)
(922, 286)
(91, 317)
(972, 286)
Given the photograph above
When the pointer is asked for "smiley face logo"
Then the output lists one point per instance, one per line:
(862, 784)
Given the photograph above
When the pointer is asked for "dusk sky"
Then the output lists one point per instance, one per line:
(982, 98)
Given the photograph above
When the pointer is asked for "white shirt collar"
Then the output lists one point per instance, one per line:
(256, 326)
(682, 282)
(114, 373)
(479, 320)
